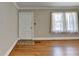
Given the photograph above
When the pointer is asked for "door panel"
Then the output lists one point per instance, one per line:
(26, 25)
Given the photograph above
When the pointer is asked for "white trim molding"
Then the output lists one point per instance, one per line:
(15, 4)
(53, 38)
(56, 38)
(10, 49)
(68, 8)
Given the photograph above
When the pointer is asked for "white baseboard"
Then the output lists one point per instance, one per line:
(10, 49)
(56, 38)
(53, 38)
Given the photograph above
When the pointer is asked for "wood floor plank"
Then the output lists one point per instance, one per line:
(46, 48)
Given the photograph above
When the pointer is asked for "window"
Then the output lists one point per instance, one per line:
(57, 19)
(64, 22)
(71, 22)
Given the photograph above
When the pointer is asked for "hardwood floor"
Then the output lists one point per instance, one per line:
(46, 48)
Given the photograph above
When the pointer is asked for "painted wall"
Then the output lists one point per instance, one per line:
(8, 26)
(42, 19)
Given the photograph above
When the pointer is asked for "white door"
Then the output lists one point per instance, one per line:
(26, 28)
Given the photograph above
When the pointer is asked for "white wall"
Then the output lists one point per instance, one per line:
(42, 28)
(43, 21)
(8, 26)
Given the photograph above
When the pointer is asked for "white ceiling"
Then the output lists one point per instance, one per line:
(44, 4)
(47, 4)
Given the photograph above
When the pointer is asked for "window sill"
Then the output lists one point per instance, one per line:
(64, 33)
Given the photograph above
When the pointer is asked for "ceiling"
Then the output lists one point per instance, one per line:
(47, 4)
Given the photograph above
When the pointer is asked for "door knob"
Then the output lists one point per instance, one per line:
(35, 23)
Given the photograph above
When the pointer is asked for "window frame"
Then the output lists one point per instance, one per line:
(64, 32)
